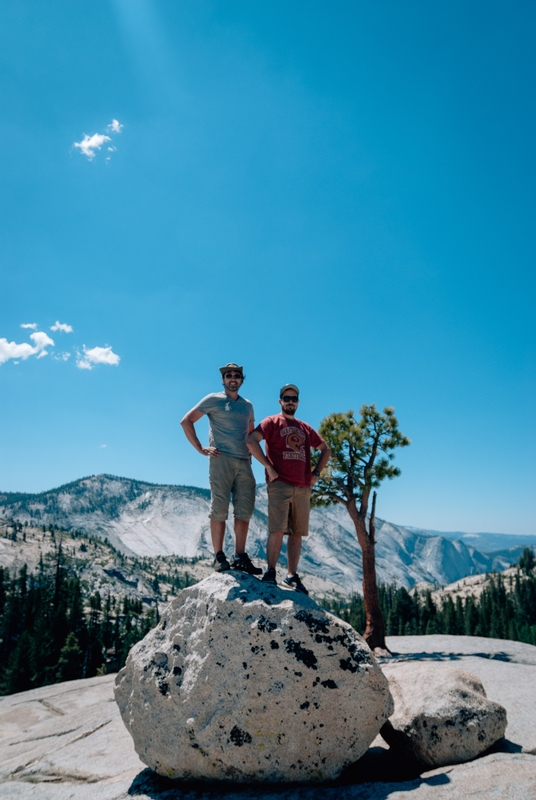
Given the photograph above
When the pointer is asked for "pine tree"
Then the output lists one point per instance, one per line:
(361, 454)
(70, 660)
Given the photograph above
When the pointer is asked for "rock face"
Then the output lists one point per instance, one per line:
(243, 681)
(442, 715)
(68, 742)
(145, 519)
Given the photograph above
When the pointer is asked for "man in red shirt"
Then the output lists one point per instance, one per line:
(289, 477)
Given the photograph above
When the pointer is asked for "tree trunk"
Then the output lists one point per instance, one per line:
(374, 634)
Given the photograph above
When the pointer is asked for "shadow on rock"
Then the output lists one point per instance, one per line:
(504, 746)
(381, 765)
(382, 775)
(149, 783)
(442, 656)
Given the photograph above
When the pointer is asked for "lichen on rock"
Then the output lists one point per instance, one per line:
(243, 681)
(442, 715)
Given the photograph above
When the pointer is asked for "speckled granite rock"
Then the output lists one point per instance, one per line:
(442, 715)
(68, 742)
(242, 681)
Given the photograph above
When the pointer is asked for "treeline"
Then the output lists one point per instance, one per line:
(499, 612)
(51, 631)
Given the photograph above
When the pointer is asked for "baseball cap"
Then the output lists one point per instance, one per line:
(230, 367)
(289, 386)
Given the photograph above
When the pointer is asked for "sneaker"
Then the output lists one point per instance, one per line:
(295, 583)
(269, 577)
(220, 562)
(243, 563)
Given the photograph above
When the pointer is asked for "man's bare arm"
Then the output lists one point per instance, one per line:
(187, 423)
(254, 447)
(325, 455)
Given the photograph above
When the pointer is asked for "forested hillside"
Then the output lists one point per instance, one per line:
(76, 606)
(504, 609)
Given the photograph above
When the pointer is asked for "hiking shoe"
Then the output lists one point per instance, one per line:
(243, 563)
(220, 562)
(269, 577)
(295, 583)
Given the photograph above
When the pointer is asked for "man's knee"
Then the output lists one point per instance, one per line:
(276, 534)
(218, 516)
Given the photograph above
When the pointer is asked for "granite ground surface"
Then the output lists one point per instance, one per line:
(67, 741)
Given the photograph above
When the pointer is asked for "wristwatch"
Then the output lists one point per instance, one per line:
(316, 472)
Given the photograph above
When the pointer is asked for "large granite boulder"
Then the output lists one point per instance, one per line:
(243, 681)
(442, 715)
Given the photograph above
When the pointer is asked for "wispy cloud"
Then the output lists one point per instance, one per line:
(31, 325)
(91, 144)
(97, 355)
(61, 356)
(61, 326)
(12, 350)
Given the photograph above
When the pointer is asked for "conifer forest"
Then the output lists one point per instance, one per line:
(54, 628)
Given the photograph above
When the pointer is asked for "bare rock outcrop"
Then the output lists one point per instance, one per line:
(442, 715)
(242, 681)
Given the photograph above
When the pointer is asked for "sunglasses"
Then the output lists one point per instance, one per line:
(290, 398)
(233, 375)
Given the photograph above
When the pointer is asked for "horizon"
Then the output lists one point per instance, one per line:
(338, 197)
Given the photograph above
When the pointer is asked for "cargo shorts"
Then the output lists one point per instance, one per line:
(288, 508)
(231, 477)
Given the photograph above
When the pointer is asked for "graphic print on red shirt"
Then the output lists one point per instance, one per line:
(288, 447)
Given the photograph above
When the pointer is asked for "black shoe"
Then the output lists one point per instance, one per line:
(220, 562)
(243, 563)
(269, 577)
(295, 583)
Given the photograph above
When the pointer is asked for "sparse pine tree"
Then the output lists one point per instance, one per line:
(70, 660)
(361, 455)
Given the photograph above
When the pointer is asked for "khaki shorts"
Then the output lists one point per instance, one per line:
(231, 477)
(288, 508)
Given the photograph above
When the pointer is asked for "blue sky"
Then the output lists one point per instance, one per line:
(339, 195)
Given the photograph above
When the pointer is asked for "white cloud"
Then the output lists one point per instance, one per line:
(97, 355)
(31, 325)
(12, 350)
(41, 340)
(61, 356)
(61, 326)
(90, 144)
(114, 126)
(104, 445)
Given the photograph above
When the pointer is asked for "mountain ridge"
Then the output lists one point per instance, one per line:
(146, 519)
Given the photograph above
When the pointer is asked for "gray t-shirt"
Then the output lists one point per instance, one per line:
(228, 422)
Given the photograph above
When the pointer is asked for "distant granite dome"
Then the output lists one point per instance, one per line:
(149, 519)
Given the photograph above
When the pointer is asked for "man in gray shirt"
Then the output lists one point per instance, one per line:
(231, 419)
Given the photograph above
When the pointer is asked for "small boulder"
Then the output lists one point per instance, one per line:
(243, 681)
(442, 715)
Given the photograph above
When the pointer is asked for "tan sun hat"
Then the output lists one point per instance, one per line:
(289, 386)
(230, 367)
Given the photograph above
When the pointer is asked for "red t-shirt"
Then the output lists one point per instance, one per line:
(288, 447)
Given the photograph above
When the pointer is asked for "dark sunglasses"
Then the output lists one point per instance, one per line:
(232, 375)
(290, 398)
